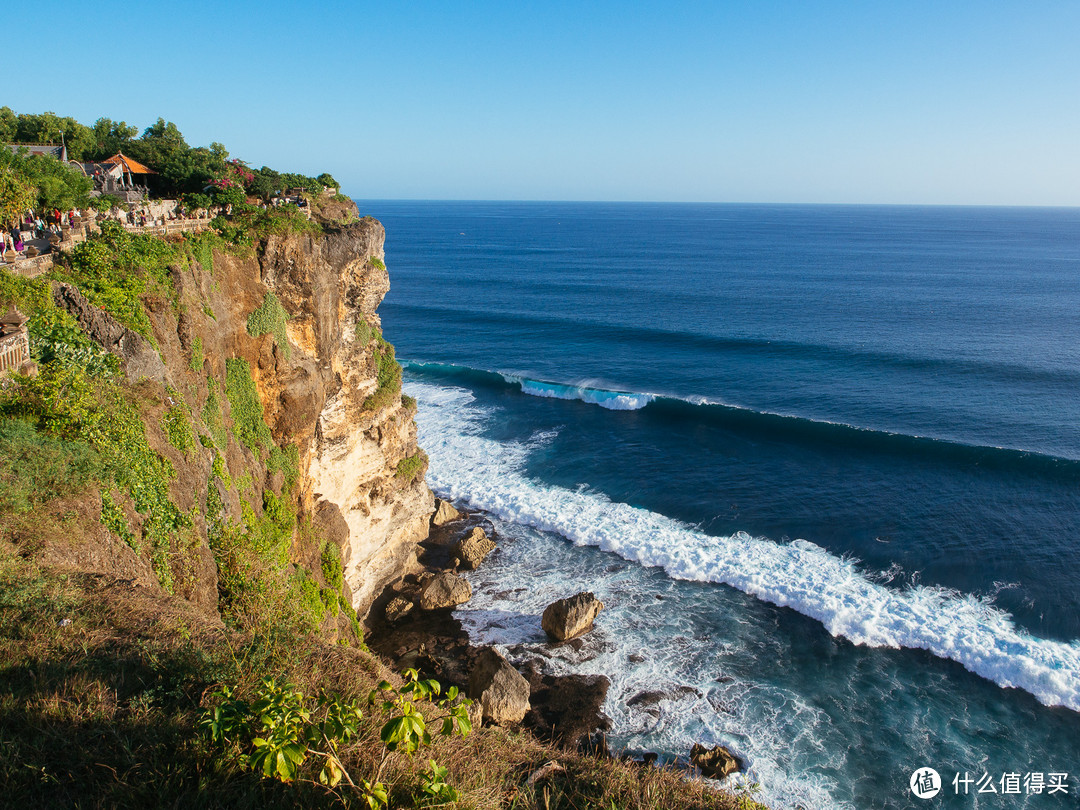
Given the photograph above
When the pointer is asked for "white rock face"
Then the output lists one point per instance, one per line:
(354, 454)
(356, 471)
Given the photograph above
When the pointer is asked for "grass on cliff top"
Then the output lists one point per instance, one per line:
(251, 223)
(102, 685)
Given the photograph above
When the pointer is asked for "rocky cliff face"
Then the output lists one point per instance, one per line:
(297, 311)
(353, 449)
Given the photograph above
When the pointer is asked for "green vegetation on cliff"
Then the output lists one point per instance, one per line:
(387, 372)
(243, 679)
(270, 319)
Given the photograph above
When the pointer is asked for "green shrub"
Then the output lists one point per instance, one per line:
(114, 519)
(229, 195)
(270, 318)
(249, 222)
(376, 262)
(387, 375)
(304, 593)
(36, 468)
(212, 417)
(41, 182)
(330, 560)
(115, 269)
(66, 402)
(197, 357)
(200, 248)
(247, 412)
(411, 467)
(55, 337)
(105, 202)
(176, 425)
(286, 461)
(30, 295)
(281, 731)
(220, 471)
(194, 200)
(363, 331)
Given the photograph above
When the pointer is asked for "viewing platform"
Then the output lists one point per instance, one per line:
(38, 256)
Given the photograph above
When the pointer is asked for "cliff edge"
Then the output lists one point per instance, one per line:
(247, 408)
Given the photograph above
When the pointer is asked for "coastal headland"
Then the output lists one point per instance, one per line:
(212, 491)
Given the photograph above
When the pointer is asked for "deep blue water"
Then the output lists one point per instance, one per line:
(841, 443)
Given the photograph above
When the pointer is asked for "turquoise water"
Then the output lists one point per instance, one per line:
(821, 464)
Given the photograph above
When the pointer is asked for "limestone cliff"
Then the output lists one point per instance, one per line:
(331, 288)
(297, 310)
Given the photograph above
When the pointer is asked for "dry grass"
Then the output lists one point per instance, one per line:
(102, 683)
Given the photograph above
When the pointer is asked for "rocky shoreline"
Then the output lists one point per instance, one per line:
(564, 709)
(410, 631)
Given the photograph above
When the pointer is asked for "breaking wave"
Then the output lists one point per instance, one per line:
(486, 474)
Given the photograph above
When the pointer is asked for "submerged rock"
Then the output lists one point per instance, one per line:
(470, 552)
(444, 513)
(501, 691)
(714, 763)
(569, 618)
(445, 590)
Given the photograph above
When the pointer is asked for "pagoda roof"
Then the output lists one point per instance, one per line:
(133, 166)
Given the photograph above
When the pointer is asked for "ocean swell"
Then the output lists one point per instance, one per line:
(486, 475)
(764, 425)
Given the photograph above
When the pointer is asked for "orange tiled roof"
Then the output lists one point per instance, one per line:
(130, 164)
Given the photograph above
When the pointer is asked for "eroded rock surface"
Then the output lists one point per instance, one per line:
(444, 513)
(570, 618)
(445, 590)
(502, 691)
(471, 550)
(714, 763)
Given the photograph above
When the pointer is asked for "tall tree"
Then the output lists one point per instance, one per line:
(111, 137)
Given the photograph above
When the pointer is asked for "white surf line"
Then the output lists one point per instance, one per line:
(485, 474)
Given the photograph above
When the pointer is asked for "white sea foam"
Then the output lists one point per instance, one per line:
(644, 651)
(486, 474)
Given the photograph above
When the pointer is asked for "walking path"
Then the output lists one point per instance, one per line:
(31, 266)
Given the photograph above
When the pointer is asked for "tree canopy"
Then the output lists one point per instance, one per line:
(180, 168)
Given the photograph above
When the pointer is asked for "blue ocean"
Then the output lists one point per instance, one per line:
(821, 464)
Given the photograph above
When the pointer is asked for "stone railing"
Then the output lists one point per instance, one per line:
(31, 266)
(173, 226)
(14, 351)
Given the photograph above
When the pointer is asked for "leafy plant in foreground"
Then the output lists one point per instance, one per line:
(281, 731)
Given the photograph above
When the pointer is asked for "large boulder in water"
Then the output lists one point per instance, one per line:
(501, 691)
(714, 763)
(445, 590)
(471, 550)
(570, 618)
(444, 513)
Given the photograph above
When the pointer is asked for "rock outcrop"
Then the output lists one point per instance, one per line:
(471, 550)
(501, 691)
(445, 590)
(714, 763)
(331, 289)
(137, 357)
(397, 609)
(570, 618)
(444, 513)
(312, 362)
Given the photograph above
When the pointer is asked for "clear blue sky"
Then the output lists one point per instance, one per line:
(756, 101)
